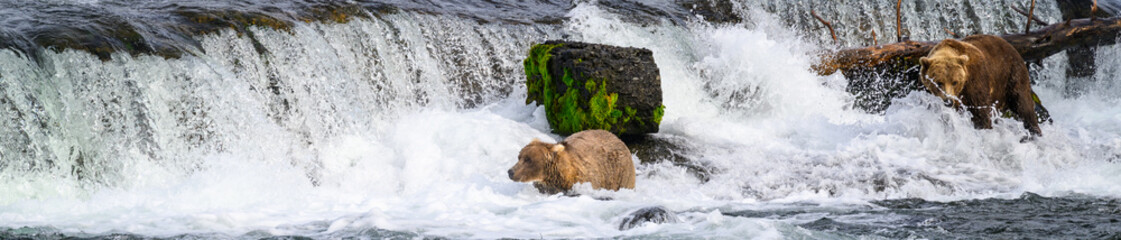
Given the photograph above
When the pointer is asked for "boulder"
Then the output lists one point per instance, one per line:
(592, 86)
(714, 11)
(645, 215)
(676, 150)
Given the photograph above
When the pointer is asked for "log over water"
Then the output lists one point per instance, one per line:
(880, 73)
(1033, 46)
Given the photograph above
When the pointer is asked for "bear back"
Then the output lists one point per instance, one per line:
(606, 159)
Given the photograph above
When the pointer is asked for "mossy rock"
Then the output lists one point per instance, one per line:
(592, 86)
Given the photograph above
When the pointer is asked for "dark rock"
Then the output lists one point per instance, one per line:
(1073, 9)
(592, 86)
(875, 88)
(715, 11)
(674, 149)
(645, 215)
(644, 13)
(1080, 60)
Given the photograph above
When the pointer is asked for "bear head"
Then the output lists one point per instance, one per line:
(946, 69)
(534, 160)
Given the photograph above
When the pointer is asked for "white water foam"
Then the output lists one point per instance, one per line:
(405, 157)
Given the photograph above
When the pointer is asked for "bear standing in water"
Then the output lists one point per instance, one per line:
(593, 156)
(981, 72)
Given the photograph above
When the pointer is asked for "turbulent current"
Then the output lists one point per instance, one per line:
(399, 119)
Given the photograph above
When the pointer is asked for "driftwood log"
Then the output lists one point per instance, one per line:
(1033, 46)
(880, 73)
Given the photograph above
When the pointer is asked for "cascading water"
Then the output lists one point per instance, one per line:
(922, 20)
(402, 124)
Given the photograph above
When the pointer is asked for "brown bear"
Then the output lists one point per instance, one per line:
(981, 72)
(593, 156)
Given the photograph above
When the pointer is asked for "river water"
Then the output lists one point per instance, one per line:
(400, 122)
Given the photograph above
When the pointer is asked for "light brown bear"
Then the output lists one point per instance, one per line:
(593, 156)
(981, 72)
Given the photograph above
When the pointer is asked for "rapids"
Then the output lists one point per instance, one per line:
(402, 123)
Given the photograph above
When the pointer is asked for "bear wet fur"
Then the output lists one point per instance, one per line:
(597, 157)
(981, 72)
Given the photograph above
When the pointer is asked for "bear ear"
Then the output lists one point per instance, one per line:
(558, 148)
(954, 43)
(964, 59)
(535, 140)
(969, 49)
(925, 61)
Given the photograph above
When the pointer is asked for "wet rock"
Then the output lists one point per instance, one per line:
(644, 13)
(1081, 59)
(676, 150)
(657, 214)
(592, 86)
(715, 11)
(166, 30)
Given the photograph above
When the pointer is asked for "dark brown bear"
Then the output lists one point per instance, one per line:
(981, 72)
(593, 156)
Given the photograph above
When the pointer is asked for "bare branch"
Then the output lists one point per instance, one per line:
(874, 41)
(1094, 11)
(1031, 13)
(898, 21)
(1034, 18)
(827, 24)
(955, 35)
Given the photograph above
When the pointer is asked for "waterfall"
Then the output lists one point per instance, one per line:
(922, 20)
(399, 118)
(268, 94)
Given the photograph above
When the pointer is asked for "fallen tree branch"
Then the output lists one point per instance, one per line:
(827, 24)
(1033, 18)
(872, 57)
(898, 21)
(874, 40)
(1035, 45)
(1055, 38)
(955, 35)
(880, 73)
(1094, 11)
(1031, 13)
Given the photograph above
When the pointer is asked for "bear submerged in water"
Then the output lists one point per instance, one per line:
(981, 72)
(595, 156)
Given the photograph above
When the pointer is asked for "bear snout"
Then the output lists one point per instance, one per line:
(952, 102)
(510, 173)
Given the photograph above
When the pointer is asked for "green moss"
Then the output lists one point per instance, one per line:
(628, 114)
(537, 74)
(567, 115)
(567, 79)
(658, 113)
(574, 105)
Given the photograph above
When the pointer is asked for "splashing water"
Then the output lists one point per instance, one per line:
(403, 125)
